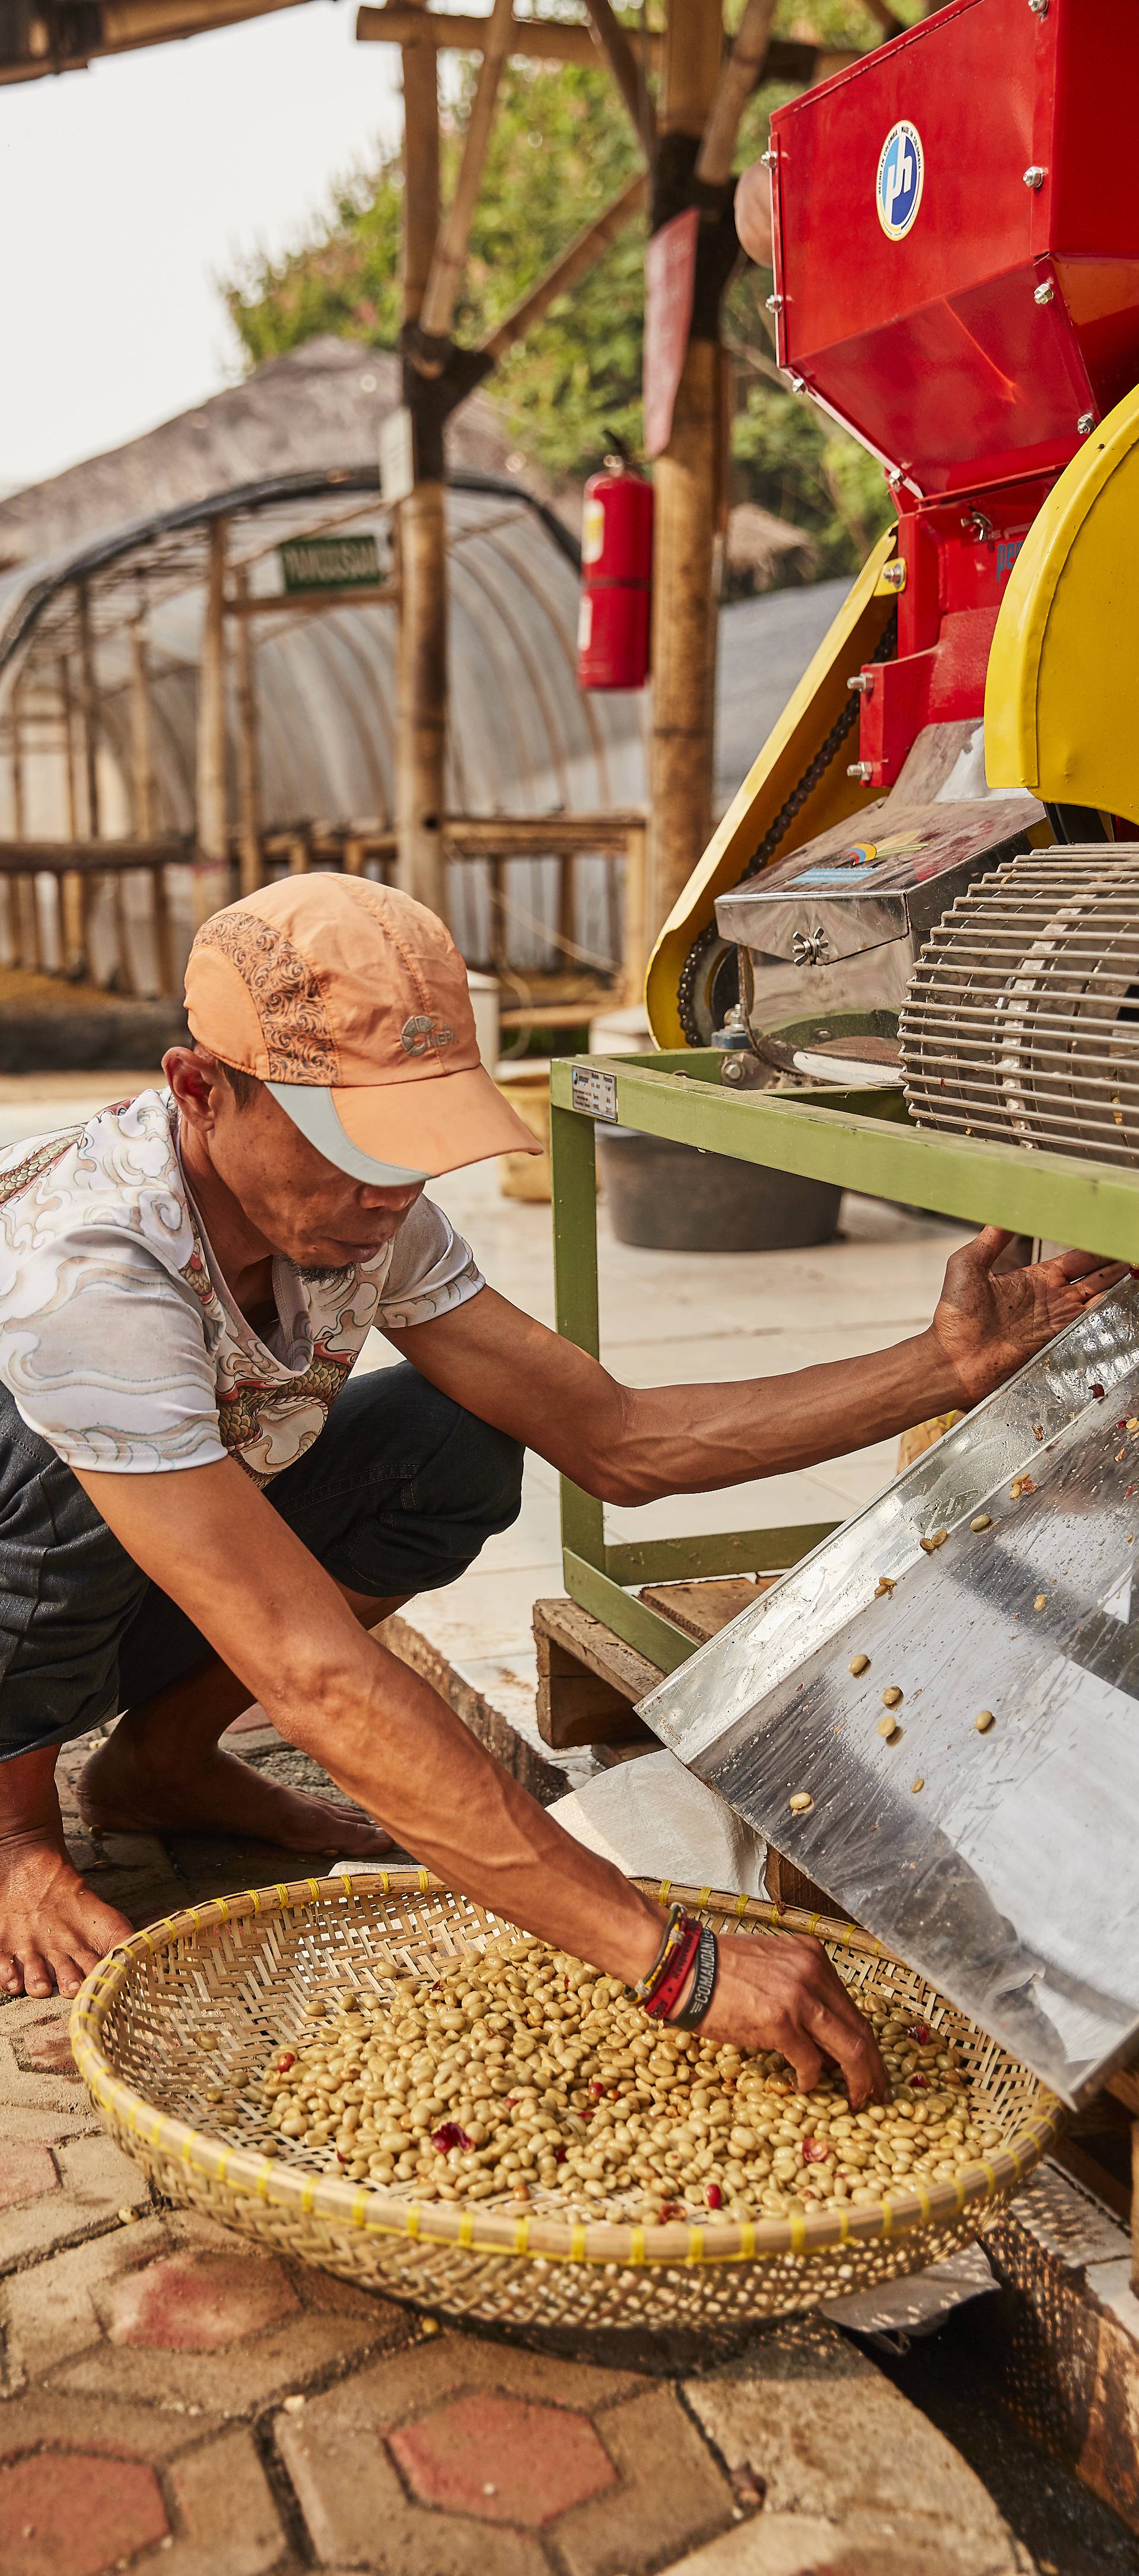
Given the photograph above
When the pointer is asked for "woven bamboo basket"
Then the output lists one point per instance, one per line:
(198, 2001)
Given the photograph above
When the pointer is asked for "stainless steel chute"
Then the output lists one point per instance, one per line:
(1004, 1864)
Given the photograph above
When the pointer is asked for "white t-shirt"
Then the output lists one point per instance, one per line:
(118, 1337)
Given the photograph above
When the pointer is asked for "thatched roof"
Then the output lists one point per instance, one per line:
(322, 404)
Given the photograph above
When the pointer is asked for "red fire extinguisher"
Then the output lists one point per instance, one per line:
(616, 579)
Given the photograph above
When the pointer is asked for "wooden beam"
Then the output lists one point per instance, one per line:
(616, 44)
(739, 75)
(688, 488)
(88, 709)
(794, 59)
(693, 47)
(211, 815)
(583, 253)
(68, 41)
(538, 39)
(244, 603)
(450, 254)
(73, 920)
(248, 818)
(527, 836)
(24, 907)
(420, 526)
(90, 858)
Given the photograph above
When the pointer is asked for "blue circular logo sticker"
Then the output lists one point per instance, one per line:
(901, 175)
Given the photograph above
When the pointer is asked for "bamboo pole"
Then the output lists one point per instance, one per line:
(142, 801)
(796, 59)
(89, 743)
(72, 915)
(248, 801)
(422, 696)
(421, 656)
(687, 483)
(449, 256)
(583, 253)
(24, 888)
(211, 817)
(88, 705)
(634, 941)
(738, 77)
(628, 72)
(536, 39)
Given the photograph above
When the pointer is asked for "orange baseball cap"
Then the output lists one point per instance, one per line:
(350, 1002)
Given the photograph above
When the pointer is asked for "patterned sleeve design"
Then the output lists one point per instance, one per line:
(432, 1270)
(106, 1358)
(101, 1343)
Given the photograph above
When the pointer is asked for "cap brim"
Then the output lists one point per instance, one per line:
(393, 1132)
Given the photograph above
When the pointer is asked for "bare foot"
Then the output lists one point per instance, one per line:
(53, 1930)
(120, 1792)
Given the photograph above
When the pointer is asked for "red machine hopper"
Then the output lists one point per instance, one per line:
(957, 281)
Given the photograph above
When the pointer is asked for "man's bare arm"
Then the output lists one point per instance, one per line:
(632, 1444)
(214, 1543)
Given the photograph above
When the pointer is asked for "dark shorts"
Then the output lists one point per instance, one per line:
(396, 1497)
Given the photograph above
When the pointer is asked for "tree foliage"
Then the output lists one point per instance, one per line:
(561, 148)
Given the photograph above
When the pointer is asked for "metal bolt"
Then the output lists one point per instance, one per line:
(863, 682)
(894, 575)
(1086, 423)
(775, 304)
(798, 384)
(861, 769)
(769, 158)
(1034, 176)
(731, 1069)
(1039, 8)
(1044, 293)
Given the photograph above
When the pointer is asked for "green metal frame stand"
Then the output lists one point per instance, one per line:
(862, 1140)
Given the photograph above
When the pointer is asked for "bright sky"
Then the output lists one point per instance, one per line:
(126, 190)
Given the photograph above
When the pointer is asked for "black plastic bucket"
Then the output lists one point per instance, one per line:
(671, 1198)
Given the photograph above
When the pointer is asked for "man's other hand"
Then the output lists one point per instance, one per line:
(987, 1326)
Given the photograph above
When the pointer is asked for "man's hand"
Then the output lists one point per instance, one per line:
(986, 1327)
(783, 1993)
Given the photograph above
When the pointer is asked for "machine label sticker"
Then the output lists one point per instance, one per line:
(901, 178)
(594, 1093)
(836, 872)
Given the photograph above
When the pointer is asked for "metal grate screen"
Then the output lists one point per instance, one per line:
(1022, 1017)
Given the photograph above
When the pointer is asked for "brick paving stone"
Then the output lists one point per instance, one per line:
(224, 2513)
(26, 2172)
(96, 2180)
(834, 2446)
(198, 2301)
(792, 2544)
(47, 2044)
(502, 2459)
(57, 2313)
(671, 2492)
(449, 2364)
(76, 2511)
(357, 2510)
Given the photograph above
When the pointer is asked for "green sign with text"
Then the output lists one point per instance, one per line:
(330, 563)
